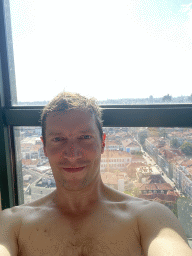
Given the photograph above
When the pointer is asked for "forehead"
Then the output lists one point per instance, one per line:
(70, 121)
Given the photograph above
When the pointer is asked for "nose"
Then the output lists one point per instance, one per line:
(72, 152)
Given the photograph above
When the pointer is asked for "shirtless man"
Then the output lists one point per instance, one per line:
(84, 217)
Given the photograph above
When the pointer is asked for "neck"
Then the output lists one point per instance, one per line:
(81, 201)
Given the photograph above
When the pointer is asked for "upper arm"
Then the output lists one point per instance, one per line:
(8, 233)
(161, 232)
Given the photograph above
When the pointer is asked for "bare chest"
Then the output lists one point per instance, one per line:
(102, 234)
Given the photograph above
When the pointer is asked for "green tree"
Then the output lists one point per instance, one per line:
(167, 98)
(175, 143)
(162, 133)
(154, 132)
(142, 137)
(137, 153)
(174, 210)
(134, 192)
(186, 148)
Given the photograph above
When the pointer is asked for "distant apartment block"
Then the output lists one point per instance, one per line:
(112, 145)
(130, 145)
(32, 148)
(114, 159)
(172, 161)
(182, 176)
(155, 188)
(181, 135)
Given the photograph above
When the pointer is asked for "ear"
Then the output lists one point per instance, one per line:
(103, 143)
(44, 149)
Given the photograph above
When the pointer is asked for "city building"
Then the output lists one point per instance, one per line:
(154, 188)
(131, 146)
(115, 159)
(118, 180)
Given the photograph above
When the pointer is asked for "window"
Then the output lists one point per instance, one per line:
(148, 178)
(16, 120)
(0, 203)
(76, 48)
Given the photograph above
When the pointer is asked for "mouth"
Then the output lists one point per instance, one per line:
(73, 169)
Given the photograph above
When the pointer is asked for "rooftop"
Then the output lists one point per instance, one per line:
(160, 197)
(154, 186)
(112, 178)
(116, 154)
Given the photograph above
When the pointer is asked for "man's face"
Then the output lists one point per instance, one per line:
(74, 148)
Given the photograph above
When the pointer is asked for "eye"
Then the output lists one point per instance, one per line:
(57, 139)
(86, 137)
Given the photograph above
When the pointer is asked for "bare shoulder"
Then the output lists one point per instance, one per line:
(134, 204)
(161, 232)
(16, 215)
(11, 217)
(10, 223)
(155, 215)
(158, 216)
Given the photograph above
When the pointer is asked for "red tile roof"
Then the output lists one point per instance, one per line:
(154, 186)
(115, 154)
(186, 163)
(160, 197)
(29, 162)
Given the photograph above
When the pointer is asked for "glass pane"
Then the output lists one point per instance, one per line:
(139, 49)
(32, 166)
(0, 202)
(150, 163)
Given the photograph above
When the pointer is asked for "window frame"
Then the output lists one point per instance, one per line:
(157, 115)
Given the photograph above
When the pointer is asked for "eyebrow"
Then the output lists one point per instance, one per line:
(85, 131)
(59, 133)
(54, 133)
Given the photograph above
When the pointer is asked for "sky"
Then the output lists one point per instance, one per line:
(107, 49)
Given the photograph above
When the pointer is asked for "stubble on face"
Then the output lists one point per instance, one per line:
(72, 149)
